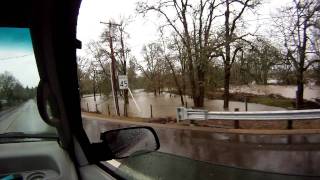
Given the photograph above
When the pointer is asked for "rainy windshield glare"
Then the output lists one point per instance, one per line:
(19, 79)
(182, 63)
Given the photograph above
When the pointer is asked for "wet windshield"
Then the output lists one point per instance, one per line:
(228, 82)
(19, 79)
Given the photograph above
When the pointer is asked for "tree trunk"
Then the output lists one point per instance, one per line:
(177, 82)
(201, 75)
(227, 59)
(299, 93)
(94, 86)
(226, 87)
(94, 93)
(193, 85)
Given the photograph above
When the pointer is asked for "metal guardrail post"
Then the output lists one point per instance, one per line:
(179, 114)
(109, 110)
(205, 115)
(183, 114)
(236, 122)
(246, 103)
(290, 124)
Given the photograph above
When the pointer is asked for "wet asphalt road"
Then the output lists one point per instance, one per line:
(24, 118)
(294, 154)
(287, 154)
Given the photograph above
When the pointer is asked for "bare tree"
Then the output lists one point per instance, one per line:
(123, 66)
(192, 23)
(170, 58)
(260, 57)
(7, 84)
(153, 65)
(296, 24)
(232, 17)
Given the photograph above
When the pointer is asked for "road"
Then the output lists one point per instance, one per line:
(288, 154)
(24, 118)
(296, 154)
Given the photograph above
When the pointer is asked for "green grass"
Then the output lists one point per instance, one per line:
(278, 102)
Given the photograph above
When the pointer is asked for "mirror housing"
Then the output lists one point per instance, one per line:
(125, 142)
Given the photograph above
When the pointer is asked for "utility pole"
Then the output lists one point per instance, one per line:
(124, 71)
(94, 84)
(113, 67)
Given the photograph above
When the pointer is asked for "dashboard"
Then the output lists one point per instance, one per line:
(35, 161)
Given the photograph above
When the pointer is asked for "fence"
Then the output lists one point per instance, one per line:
(198, 114)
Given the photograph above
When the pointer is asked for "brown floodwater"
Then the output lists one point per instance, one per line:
(310, 92)
(163, 105)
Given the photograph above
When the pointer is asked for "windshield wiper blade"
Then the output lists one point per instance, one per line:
(28, 135)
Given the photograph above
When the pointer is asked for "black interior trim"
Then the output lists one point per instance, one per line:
(109, 171)
(53, 25)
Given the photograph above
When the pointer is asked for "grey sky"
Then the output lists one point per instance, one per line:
(24, 69)
(16, 55)
(143, 30)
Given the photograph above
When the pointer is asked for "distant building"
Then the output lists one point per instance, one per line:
(272, 81)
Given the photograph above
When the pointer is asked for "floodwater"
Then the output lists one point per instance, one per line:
(310, 92)
(163, 105)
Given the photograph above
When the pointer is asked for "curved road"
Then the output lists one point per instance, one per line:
(24, 118)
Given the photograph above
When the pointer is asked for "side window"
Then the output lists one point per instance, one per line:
(220, 81)
(19, 79)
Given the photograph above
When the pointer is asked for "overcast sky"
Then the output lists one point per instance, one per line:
(143, 30)
(16, 55)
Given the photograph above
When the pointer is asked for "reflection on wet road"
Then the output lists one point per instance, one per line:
(289, 154)
(158, 165)
(24, 118)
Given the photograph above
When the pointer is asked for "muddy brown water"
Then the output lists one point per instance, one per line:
(163, 105)
(310, 92)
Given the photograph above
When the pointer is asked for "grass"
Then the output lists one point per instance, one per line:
(133, 119)
(270, 101)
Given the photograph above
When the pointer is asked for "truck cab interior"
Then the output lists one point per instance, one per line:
(62, 150)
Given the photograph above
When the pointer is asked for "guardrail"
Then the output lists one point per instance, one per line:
(198, 114)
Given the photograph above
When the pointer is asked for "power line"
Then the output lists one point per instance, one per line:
(14, 57)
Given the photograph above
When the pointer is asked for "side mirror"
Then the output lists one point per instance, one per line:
(130, 141)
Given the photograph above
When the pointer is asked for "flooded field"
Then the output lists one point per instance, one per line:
(163, 105)
(310, 92)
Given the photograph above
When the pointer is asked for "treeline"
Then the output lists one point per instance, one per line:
(210, 35)
(12, 92)
(259, 63)
(206, 44)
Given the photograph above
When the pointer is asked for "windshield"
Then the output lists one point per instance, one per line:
(19, 79)
(228, 82)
